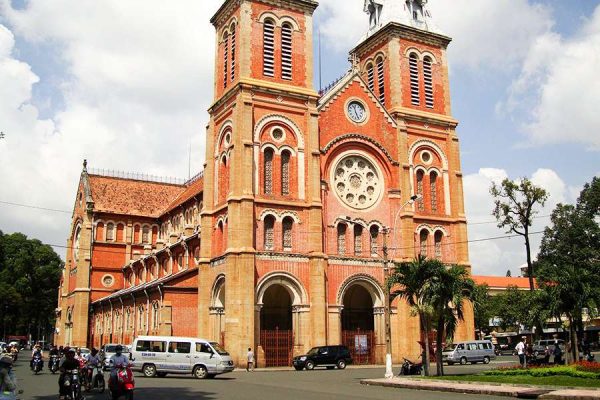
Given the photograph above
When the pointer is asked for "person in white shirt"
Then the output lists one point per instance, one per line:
(250, 357)
(116, 361)
(520, 348)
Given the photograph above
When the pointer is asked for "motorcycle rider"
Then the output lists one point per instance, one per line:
(116, 361)
(36, 352)
(92, 362)
(68, 363)
(53, 353)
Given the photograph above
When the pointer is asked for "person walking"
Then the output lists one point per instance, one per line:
(250, 357)
(520, 348)
(8, 380)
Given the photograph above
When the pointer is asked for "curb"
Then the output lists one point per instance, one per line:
(522, 392)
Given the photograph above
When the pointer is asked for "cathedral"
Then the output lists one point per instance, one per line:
(279, 244)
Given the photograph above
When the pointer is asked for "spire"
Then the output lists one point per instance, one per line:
(413, 13)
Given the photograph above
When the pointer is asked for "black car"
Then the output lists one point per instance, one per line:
(323, 356)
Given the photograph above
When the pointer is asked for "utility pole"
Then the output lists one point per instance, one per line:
(387, 309)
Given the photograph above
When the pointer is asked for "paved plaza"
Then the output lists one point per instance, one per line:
(260, 385)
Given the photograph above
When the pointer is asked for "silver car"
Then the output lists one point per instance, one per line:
(472, 351)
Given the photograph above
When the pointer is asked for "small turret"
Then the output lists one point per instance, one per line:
(414, 13)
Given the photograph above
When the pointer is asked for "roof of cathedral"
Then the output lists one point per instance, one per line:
(502, 281)
(132, 197)
(195, 186)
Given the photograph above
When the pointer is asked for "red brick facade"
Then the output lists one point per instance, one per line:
(286, 228)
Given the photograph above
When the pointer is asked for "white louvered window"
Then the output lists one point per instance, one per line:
(268, 171)
(341, 239)
(371, 77)
(225, 59)
(420, 175)
(287, 226)
(358, 231)
(232, 52)
(438, 244)
(428, 79)
(286, 51)
(269, 48)
(285, 173)
(423, 242)
(269, 233)
(415, 96)
(381, 80)
(433, 191)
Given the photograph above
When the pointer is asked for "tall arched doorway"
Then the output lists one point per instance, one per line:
(359, 322)
(217, 311)
(276, 327)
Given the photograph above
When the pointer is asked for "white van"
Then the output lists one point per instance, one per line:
(472, 351)
(160, 355)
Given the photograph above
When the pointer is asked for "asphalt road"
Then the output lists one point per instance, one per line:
(320, 384)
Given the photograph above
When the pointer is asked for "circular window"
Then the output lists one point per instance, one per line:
(277, 134)
(108, 280)
(426, 157)
(357, 182)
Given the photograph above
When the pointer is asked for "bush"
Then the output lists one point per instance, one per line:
(573, 371)
(587, 366)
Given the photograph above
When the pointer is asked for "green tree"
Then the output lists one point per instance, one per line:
(569, 260)
(484, 306)
(452, 288)
(514, 209)
(29, 279)
(415, 282)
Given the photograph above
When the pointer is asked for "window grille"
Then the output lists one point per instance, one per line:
(423, 245)
(225, 59)
(371, 77)
(268, 171)
(285, 173)
(358, 231)
(421, 205)
(438, 245)
(428, 78)
(286, 51)
(341, 239)
(415, 96)
(288, 224)
(269, 48)
(233, 52)
(433, 190)
(269, 234)
(381, 81)
(374, 239)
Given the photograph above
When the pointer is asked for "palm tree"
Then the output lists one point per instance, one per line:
(415, 280)
(450, 290)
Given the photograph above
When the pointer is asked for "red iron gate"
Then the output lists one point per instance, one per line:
(278, 346)
(361, 344)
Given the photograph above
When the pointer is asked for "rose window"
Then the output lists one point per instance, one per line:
(357, 182)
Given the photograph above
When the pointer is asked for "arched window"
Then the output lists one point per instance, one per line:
(128, 319)
(286, 51)
(287, 226)
(100, 231)
(285, 173)
(371, 77)
(155, 315)
(358, 231)
(165, 266)
(413, 63)
(428, 79)
(225, 59)
(269, 239)
(381, 80)
(268, 171)
(269, 48)
(146, 234)
(438, 244)
(374, 234)
(141, 318)
(423, 242)
(180, 265)
(420, 176)
(233, 33)
(433, 191)
(110, 231)
(341, 239)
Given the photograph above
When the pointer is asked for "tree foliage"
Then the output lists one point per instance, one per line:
(514, 209)
(29, 279)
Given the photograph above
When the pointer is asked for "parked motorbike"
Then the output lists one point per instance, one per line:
(38, 364)
(124, 385)
(410, 368)
(54, 363)
(95, 379)
(73, 384)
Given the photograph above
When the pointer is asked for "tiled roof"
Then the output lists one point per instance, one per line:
(502, 281)
(192, 190)
(132, 197)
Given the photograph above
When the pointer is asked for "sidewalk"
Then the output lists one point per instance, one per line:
(288, 369)
(517, 391)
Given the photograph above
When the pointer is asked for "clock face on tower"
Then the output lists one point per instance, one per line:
(356, 111)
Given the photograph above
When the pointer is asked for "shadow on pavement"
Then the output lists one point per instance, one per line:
(150, 393)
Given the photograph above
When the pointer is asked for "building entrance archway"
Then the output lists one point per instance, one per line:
(276, 327)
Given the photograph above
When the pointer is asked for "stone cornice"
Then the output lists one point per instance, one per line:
(225, 11)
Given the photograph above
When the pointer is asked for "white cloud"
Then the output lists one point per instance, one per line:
(138, 79)
(495, 257)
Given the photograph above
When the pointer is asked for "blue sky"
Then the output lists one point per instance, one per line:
(125, 84)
